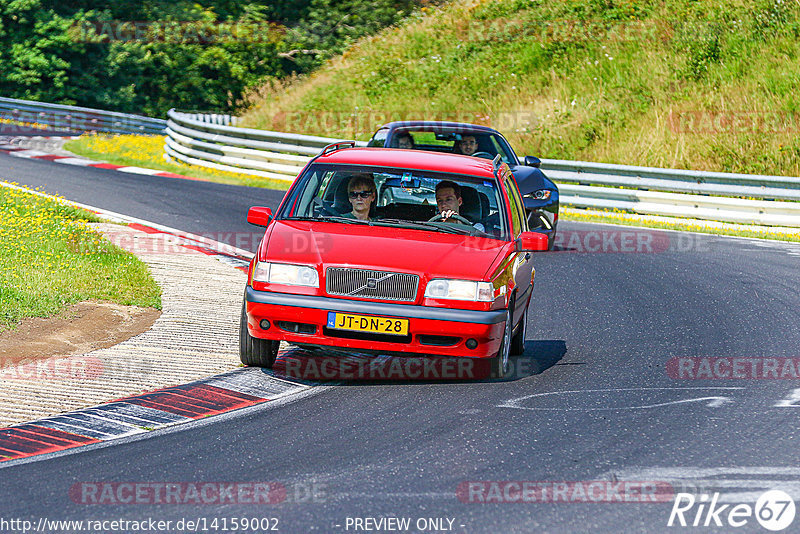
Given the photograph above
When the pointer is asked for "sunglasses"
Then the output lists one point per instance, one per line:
(362, 194)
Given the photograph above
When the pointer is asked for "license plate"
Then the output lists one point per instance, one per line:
(366, 323)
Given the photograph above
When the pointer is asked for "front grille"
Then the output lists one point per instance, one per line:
(370, 284)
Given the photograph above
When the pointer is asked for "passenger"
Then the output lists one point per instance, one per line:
(448, 200)
(361, 192)
(404, 140)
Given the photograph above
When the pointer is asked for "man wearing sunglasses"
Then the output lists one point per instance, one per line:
(361, 193)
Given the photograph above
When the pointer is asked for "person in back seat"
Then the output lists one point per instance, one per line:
(404, 140)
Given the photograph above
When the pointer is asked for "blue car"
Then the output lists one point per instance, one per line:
(540, 194)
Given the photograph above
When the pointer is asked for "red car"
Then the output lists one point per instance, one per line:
(343, 265)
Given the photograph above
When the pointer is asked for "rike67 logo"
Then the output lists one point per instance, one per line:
(774, 510)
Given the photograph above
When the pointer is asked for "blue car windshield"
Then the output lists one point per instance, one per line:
(350, 194)
(476, 143)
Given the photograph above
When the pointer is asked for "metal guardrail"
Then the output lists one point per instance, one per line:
(197, 140)
(726, 197)
(738, 198)
(77, 118)
(213, 140)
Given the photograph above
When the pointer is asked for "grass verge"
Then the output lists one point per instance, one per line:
(51, 258)
(148, 151)
(627, 220)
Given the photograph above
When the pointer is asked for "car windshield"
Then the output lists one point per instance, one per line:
(468, 142)
(348, 194)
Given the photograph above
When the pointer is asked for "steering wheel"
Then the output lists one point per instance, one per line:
(484, 155)
(456, 216)
(323, 209)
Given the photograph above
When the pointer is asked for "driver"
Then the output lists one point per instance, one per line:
(468, 145)
(448, 200)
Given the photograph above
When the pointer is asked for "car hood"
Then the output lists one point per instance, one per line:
(381, 248)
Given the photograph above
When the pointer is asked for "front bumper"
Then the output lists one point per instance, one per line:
(302, 319)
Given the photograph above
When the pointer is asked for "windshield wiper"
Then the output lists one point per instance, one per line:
(447, 229)
(330, 218)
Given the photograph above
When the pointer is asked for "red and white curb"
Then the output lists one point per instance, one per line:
(151, 362)
(144, 413)
(15, 150)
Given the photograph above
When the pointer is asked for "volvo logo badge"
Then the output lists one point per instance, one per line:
(372, 283)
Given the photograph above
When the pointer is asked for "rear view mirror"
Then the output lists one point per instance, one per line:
(406, 182)
(533, 161)
(259, 216)
(532, 241)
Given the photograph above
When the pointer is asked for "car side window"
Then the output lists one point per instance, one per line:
(498, 149)
(379, 139)
(515, 204)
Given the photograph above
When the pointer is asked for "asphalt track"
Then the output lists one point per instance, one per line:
(592, 399)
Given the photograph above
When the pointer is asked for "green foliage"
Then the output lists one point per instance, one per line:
(50, 258)
(147, 57)
(330, 26)
(596, 80)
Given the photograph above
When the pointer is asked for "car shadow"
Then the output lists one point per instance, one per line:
(538, 357)
(306, 365)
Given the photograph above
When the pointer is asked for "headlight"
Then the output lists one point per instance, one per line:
(283, 273)
(541, 194)
(441, 288)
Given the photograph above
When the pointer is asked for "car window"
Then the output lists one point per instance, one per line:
(443, 140)
(402, 196)
(498, 149)
(515, 204)
(427, 140)
(379, 139)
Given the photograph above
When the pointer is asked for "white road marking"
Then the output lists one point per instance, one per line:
(138, 170)
(790, 401)
(713, 401)
(28, 153)
(709, 480)
(77, 161)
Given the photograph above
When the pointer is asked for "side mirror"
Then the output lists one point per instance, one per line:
(533, 161)
(532, 241)
(259, 216)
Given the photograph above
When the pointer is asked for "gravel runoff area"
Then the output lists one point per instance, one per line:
(196, 336)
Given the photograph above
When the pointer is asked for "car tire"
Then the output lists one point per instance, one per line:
(500, 363)
(518, 341)
(253, 351)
